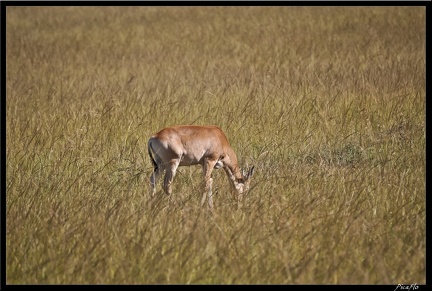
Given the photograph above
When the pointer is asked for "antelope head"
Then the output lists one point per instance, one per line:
(242, 184)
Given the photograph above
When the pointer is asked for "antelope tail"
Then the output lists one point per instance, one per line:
(155, 166)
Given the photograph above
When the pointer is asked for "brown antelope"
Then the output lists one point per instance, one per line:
(188, 145)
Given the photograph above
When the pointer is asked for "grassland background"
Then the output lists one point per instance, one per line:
(328, 103)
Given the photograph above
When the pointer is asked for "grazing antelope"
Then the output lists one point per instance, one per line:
(188, 145)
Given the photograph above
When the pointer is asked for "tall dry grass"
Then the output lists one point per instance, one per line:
(328, 103)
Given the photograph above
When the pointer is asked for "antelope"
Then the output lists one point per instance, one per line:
(188, 145)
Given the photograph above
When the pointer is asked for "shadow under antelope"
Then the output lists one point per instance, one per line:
(188, 145)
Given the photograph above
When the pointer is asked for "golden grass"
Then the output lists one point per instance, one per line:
(328, 103)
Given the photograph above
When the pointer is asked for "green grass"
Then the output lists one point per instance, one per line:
(328, 103)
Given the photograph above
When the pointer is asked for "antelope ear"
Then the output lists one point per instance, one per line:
(251, 171)
(243, 172)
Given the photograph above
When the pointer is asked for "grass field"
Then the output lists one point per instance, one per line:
(328, 104)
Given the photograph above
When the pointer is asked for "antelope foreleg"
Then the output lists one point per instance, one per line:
(208, 169)
(208, 192)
